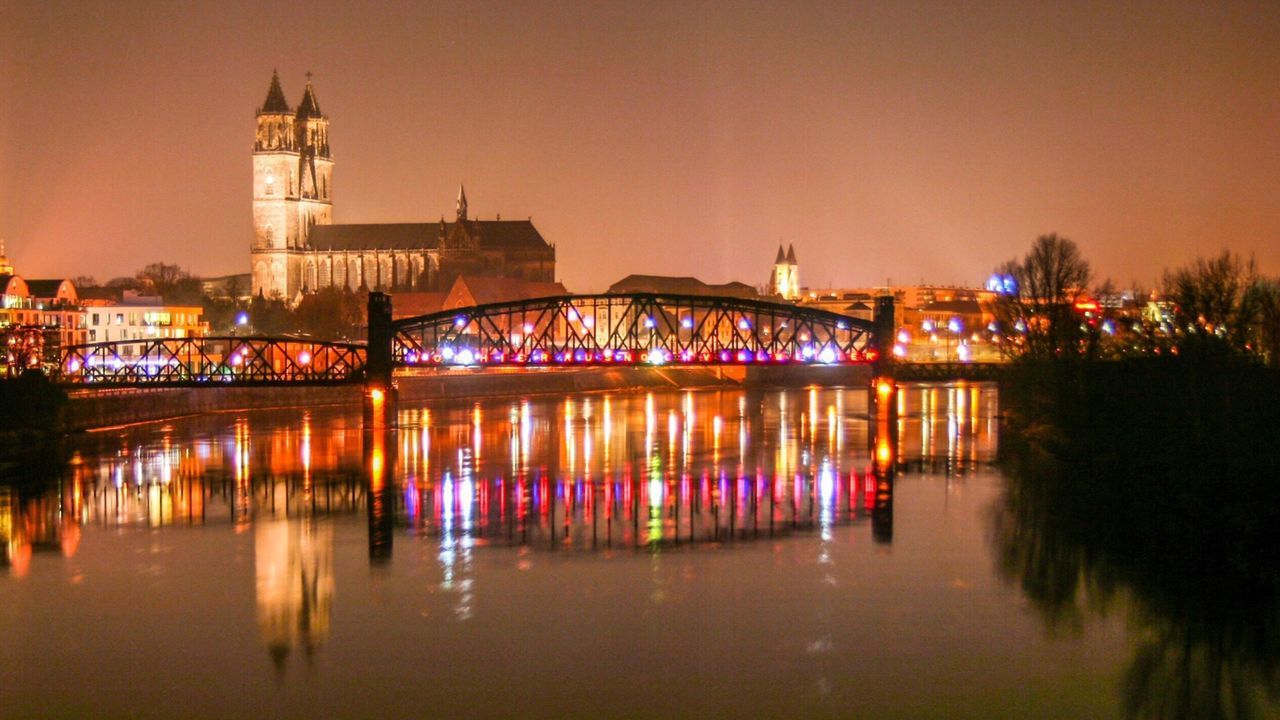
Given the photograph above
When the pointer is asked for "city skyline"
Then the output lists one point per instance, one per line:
(904, 142)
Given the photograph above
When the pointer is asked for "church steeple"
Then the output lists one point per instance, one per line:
(308, 107)
(462, 203)
(275, 102)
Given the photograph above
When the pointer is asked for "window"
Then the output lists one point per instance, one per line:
(119, 318)
(95, 319)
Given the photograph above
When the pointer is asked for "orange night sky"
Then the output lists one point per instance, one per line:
(885, 140)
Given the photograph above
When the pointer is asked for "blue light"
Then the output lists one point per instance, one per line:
(242, 319)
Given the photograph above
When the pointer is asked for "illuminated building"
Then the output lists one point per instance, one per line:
(785, 281)
(141, 317)
(53, 306)
(297, 249)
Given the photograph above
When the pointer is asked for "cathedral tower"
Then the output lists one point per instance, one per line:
(786, 276)
(292, 175)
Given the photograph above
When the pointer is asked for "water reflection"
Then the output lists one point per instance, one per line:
(294, 571)
(1138, 495)
(583, 473)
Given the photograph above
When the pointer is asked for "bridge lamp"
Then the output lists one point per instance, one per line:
(459, 321)
(656, 356)
(464, 357)
(743, 324)
(588, 322)
(528, 328)
(904, 336)
(73, 366)
(962, 352)
(899, 350)
(927, 326)
(304, 358)
(686, 323)
(827, 356)
(648, 322)
(955, 326)
(242, 318)
(446, 352)
(806, 352)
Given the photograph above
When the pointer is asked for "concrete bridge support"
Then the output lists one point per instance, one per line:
(381, 399)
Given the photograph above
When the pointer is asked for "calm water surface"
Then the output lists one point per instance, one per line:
(723, 554)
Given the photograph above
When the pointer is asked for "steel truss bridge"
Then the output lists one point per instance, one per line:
(211, 362)
(573, 330)
(634, 329)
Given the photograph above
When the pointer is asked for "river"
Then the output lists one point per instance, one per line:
(730, 553)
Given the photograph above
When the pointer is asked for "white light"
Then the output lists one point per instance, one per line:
(827, 356)
(657, 356)
(446, 352)
(465, 357)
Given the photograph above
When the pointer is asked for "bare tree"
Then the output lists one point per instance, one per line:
(1047, 283)
(1217, 299)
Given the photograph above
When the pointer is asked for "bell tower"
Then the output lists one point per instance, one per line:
(292, 175)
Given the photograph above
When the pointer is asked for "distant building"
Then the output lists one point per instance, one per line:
(50, 305)
(785, 281)
(141, 317)
(297, 249)
(667, 285)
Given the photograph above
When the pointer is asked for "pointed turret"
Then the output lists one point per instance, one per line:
(308, 107)
(782, 257)
(275, 102)
(791, 254)
(462, 203)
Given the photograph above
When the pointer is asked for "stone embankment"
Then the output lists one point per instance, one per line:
(89, 410)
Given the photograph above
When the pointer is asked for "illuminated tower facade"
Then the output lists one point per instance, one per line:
(786, 274)
(292, 189)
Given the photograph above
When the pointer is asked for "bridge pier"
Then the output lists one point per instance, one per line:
(883, 413)
(381, 398)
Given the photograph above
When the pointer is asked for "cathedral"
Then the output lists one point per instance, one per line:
(297, 249)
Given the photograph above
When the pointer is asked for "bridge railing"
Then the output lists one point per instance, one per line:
(210, 361)
(632, 329)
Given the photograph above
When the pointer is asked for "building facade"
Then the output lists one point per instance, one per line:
(297, 249)
(785, 281)
(141, 317)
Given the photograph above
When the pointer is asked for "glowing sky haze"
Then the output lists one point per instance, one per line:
(885, 140)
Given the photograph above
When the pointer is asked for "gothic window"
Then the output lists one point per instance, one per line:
(270, 183)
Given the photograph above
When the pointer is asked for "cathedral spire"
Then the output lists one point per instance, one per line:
(791, 254)
(275, 102)
(462, 203)
(782, 257)
(308, 107)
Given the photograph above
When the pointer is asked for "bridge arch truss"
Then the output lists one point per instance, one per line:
(632, 329)
(211, 362)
